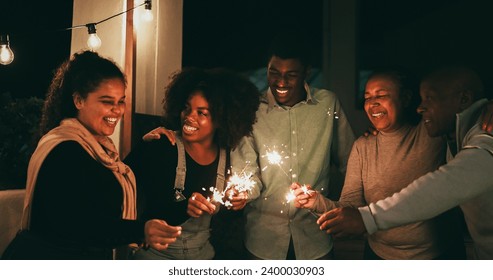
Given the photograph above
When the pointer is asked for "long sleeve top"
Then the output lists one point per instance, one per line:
(383, 164)
(78, 202)
(308, 137)
(465, 180)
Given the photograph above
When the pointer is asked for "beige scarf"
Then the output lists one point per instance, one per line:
(102, 150)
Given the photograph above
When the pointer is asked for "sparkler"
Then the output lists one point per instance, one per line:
(291, 196)
(237, 183)
(275, 158)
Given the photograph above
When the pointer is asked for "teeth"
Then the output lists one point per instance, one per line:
(189, 128)
(427, 121)
(281, 91)
(377, 115)
(111, 120)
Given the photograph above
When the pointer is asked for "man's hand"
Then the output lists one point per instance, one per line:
(157, 132)
(158, 234)
(198, 205)
(342, 222)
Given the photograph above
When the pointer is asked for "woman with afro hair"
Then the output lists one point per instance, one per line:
(208, 112)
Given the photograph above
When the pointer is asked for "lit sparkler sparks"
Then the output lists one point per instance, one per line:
(275, 158)
(237, 183)
(241, 182)
(291, 196)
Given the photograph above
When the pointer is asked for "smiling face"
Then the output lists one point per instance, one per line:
(196, 119)
(101, 110)
(439, 105)
(383, 105)
(286, 78)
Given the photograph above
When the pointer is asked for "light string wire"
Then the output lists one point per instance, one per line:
(108, 18)
(6, 54)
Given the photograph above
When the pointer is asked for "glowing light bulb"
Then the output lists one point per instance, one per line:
(93, 42)
(147, 16)
(6, 54)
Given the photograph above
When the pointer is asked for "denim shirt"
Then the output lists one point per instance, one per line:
(308, 137)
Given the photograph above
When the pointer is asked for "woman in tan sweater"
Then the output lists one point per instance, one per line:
(382, 164)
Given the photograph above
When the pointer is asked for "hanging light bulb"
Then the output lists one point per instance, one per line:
(93, 42)
(147, 16)
(6, 54)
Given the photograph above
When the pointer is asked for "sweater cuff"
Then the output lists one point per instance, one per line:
(368, 219)
(319, 204)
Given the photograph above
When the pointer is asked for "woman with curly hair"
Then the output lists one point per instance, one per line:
(209, 111)
(80, 197)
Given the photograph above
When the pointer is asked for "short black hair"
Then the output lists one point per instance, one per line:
(460, 76)
(291, 44)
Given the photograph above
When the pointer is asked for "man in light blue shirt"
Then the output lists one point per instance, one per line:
(300, 132)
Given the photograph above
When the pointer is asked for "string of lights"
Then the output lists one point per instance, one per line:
(93, 41)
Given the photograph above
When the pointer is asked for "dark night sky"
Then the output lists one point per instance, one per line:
(216, 33)
(235, 34)
(227, 33)
(37, 45)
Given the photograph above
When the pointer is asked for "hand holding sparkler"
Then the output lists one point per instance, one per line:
(237, 188)
(237, 199)
(303, 195)
(198, 204)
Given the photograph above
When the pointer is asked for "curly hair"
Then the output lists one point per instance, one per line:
(233, 101)
(82, 74)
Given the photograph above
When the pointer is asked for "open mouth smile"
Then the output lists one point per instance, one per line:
(189, 129)
(377, 115)
(111, 121)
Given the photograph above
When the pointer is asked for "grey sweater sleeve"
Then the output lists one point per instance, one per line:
(352, 192)
(461, 179)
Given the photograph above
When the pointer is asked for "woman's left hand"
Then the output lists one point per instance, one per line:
(198, 205)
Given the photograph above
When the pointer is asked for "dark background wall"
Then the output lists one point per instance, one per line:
(39, 43)
(424, 34)
(420, 34)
